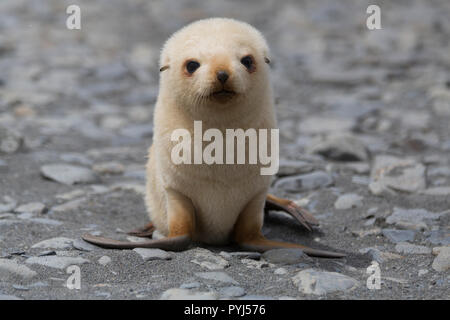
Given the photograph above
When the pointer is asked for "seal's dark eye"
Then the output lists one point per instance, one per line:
(191, 66)
(247, 61)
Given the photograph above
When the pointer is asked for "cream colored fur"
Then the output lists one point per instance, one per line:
(219, 193)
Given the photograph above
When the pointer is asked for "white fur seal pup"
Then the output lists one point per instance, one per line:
(214, 71)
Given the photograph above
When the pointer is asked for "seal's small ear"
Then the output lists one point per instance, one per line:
(163, 68)
(266, 60)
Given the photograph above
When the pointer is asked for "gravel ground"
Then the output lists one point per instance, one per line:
(365, 143)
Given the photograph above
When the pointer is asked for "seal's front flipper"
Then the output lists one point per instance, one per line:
(301, 215)
(177, 243)
(144, 232)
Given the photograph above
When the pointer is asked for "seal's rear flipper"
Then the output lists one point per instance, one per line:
(145, 232)
(301, 215)
(178, 243)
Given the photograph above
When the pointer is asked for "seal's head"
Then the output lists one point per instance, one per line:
(215, 62)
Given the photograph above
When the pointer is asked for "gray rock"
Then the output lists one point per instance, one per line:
(108, 168)
(186, 294)
(55, 243)
(311, 281)
(286, 256)
(247, 255)
(68, 174)
(12, 268)
(442, 262)
(209, 260)
(153, 254)
(190, 285)
(217, 277)
(32, 207)
(441, 237)
(69, 206)
(10, 140)
(7, 204)
(341, 148)
(348, 201)
(392, 173)
(304, 182)
(232, 292)
(322, 124)
(82, 245)
(412, 218)
(104, 260)
(438, 191)
(292, 167)
(56, 261)
(397, 236)
(407, 248)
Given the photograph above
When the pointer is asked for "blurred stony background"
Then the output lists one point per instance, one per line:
(365, 143)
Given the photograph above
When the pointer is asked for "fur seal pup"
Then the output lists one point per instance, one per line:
(214, 71)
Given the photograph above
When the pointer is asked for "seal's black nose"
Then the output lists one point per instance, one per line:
(222, 76)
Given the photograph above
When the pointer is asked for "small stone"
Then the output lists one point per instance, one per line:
(108, 168)
(442, 262)
(55, 243)
(153, 254)
(280, 271)
(311, 281)
(82, 245)
(208, 260)
(10, 140)
(12, 268)
(321, 124)
(217, 277)
(255, 264)
(348, 201)
(186, 294)
(411, 218)
(341, 148)
(232, 292)
(438, 191)
(404, 247)
(56, 261)
(190, 285)
(379, 256)
(68, 174)
(439, 237)
(285, 256)
(77, 193)
(69, 206)
(422, 272)
(397, 236)
(392, 173)
(7, 204)
(292, 167)
(33, 208)
(104, 260)
(304, 182)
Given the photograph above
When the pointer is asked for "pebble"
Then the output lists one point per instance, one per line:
(208, 260)
(255, 264)
(280, 271)
(232, 292)
(108, 168)
(13, 268)
(61, 243)
(322, 124)
(411, 218)
(68, 174)
(216, 276)
(56, 262)
(442, 262)
(286, 256)
(10, 140)
(186, 294)
(293, 167)
(190, 285)
(398, 174)
(69, 206)
(441, 237)
(7, 204)
(33, 208)
(341, 148)
(438, 191)
(82, 245)
(153, 254)
(104, 260)
(404, 247)
(397, 236)
(348, 201)
(304, 182)
(315, 282)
